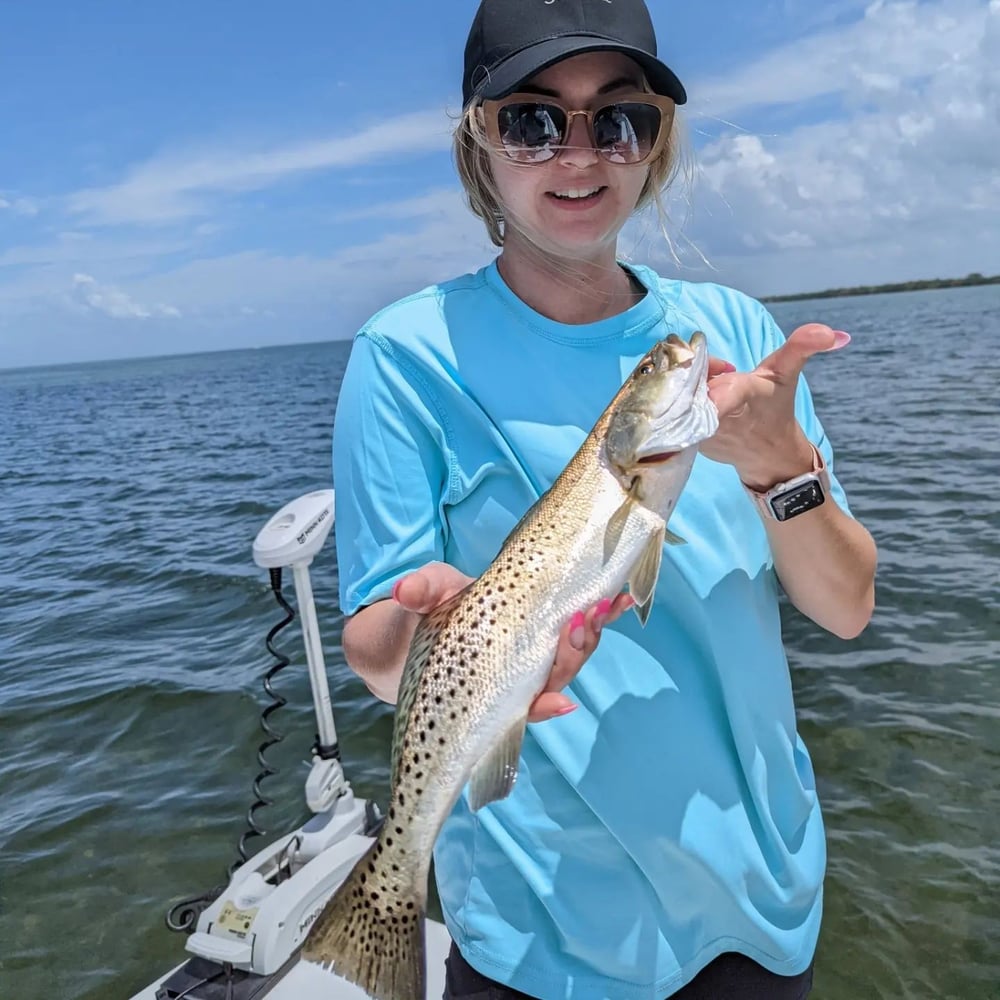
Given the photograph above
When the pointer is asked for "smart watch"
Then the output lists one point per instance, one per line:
(794, 496)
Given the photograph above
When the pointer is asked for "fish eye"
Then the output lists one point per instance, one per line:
(647, 368)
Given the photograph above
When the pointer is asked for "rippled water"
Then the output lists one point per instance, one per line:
(133, 619)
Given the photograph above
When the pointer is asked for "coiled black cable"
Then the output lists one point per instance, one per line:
(183, 915)
(273, 737)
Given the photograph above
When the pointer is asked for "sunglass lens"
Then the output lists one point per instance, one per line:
(625, 133)
(529, 131)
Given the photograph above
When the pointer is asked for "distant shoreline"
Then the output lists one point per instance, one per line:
(902, 286)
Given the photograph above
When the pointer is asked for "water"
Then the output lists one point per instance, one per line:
(133, 619)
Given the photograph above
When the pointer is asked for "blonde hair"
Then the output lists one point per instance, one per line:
(472, 159)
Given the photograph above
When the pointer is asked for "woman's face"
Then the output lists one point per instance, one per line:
(536, 197)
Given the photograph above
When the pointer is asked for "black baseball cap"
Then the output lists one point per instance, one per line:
(512, 40)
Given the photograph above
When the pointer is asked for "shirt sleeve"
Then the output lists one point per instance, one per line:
(805, 412)
(390, 473)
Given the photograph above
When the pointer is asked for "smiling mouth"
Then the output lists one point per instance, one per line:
(578, 196)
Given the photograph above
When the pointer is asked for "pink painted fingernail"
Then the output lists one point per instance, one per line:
(601, 613)
(395, 591)
(840, 339)
(576, 635)
(729, 368)
(565, 710)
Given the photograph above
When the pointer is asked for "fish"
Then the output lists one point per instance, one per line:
(477, 662)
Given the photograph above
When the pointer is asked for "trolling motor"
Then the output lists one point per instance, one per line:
(247, 934)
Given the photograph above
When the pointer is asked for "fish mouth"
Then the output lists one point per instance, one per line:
(657, 458)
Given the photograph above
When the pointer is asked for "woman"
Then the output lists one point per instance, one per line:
(663, 837)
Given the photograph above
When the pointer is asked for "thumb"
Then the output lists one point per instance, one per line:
(787, 362)
(423, 590)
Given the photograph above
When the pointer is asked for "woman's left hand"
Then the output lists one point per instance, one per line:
(758, 433)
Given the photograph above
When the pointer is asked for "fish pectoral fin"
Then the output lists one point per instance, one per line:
(642, 579)
(494, 776)
(616, 525)
(672, 538)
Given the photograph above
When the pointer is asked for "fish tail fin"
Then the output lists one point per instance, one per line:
(372, 933)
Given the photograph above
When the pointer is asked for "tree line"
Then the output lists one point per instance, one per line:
(902, 286)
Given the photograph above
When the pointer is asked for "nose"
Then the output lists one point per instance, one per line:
(579, 151)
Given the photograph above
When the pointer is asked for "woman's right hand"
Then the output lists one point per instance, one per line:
(422, 591)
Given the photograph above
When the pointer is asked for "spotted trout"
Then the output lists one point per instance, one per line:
(476, 663)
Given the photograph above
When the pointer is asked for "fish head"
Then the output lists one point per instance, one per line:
(663, 412)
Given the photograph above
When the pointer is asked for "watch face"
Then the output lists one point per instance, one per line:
(797, 500)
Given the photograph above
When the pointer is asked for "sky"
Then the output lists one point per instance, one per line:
(192, 176)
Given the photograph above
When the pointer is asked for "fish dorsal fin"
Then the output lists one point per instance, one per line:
(642, 578)
(494, 776)
(421, 649)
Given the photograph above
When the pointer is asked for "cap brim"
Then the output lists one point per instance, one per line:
(513, 71)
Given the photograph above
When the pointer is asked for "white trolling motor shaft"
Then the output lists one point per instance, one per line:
(292, 537)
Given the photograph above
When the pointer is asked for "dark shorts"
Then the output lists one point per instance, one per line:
(729, 977)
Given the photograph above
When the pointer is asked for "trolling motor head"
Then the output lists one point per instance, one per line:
(296, 533)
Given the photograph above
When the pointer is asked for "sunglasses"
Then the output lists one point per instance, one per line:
(631, 130)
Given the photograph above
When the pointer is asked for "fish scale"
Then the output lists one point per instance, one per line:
(476, 663)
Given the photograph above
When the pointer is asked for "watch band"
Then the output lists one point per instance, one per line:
(794, 496)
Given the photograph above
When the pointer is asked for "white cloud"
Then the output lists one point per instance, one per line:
(83, 249)
(19, 206)
(340, 289)
(895, 40)
(919, 163)
(115, 303)
(176, 186)
(442, 201)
